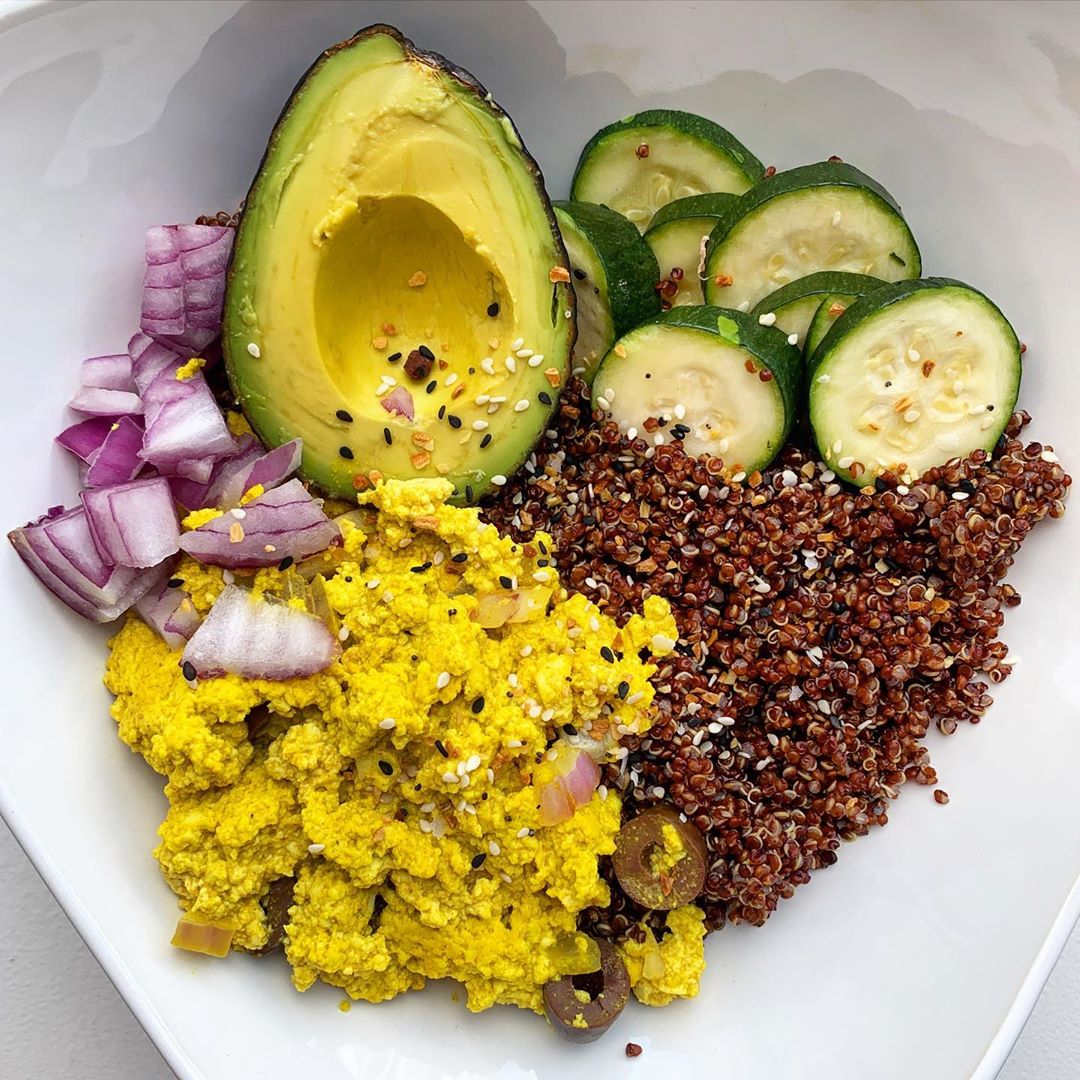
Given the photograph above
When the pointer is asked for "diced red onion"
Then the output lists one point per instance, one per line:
(195, 496)
(170, 612)
(185, 284)
(117, 460)
(577, 777)
(93, 401)
(108, 373)
(257, 639)
(285, 521)
(399, 402)
(149, 358)
(84, 439)
(133, 524)
(197, 469)
(269, 470)
(60, 551)
(183, 422)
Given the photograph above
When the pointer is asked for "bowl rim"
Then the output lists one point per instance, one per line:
(13, 13)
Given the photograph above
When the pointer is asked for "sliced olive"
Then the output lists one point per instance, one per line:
(276, 904)
(660, 860)
(582, 1007)
(257, 720)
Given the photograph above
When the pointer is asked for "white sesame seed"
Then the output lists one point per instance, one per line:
(461, 768)
(374, 583)
(662, 643)
(228, 577)
(631, 433)
(388, 597)
(844, 462)
(479, 425)
(767, 319)
(541, 575)
(473, 763)
(254, 350)
(788, 478)
(511, 364)
(603, 403)
(960, 496)
(498, 480)
(526, 650)
(493, 848)
(837, 446)
(450, 379)
(836, 218)
(547, 715)
(388, 724)
(635, 697)
(482, 399)
(914, 355)
(534, 712)
(793, 339)
(679, 411)
(522, 405)
(744, 306)
(609, 393)
(443, 681)
(762, 587)
(739, 477)
(425, 826)
(902, 489)
(594, 624)
(487, 365)
(658, 439)
(513, 744)
(343, 634)
(316, 849)
(591, 582)
(518, 342)
(450, 777)
(827, 476)
(523, 354)
(238, 513)
(1049, 455)
(389, 380)
(911, 416)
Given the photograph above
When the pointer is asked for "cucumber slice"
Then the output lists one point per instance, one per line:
(827, 216)
(725, 385)
(911, 375)
(678, 237)
(829, 310)
(642, 163)
(793, 306)
(614, 274)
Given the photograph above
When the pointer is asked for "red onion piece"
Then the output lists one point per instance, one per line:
(269, 470)
(84, 439)
(117, 460)
(197, 469)
(133, 524)
(60, 551)
(287, 520)
(259, 640)
(195, 496)
(399, 402)
(149, 359)
(108, 373)
(183, 422)
(184, 284)
(170, 612)
(93, 401)
(576, 777)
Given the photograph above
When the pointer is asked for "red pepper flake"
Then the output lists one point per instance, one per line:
(749, 365)
(836, 310)
(558, 274)
(418, 280)
(418, 366)
(927, 367)
(389, 329)
(360, 482)
(633, 1050)
(723, 280)
(642, 151)
(771, 170)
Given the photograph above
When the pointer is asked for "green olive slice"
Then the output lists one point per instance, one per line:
(660, 860)
(582, 1007)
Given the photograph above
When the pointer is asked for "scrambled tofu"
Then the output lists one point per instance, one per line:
(399, 786)
(672, 968)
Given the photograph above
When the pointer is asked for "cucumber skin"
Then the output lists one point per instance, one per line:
(831, 281)
(629, 264)
(697, 127)
(820, 174)
(765, 343)
(880, 300)
(710, 205)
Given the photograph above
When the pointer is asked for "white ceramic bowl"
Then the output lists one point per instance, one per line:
(921, 952)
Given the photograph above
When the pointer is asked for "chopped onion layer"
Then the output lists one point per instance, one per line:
(184, 285)
(133, 524)
(149, 359)
(170, 612)
(60, 551)
(117, 460)
(256, 639)
(399, 402)
(265, 469)
(183, 423)
(108, 373)
(565, 784)
(286, 521)
(93, 401)
(84, 439)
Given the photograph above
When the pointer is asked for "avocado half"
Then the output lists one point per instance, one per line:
(398, 295)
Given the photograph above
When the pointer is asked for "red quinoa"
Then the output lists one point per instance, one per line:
(822, 631)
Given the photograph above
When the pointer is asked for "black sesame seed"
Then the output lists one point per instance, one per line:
(838, 608)
(393, 358)
(607, 654)
(543, 562)
(387, 436)
(569, 729)
(430, 388)
(341, 414)
(188, 669)
(485, 441)
(830, 634)
(493, 309)
(421, 568)
(285, 563)
(472, 371)
(175, 582)
(624, 688)
(579, 273)
(442, 411)
(452, 611)
(348, 578)
(506, 582)
(442, 749)
(461, 556)
(455, 421)
(966, 485)
(468, 491)
(387, 768)
(478, 704)
(989, 408)
(425, 352)
(544, 397)
(478, 860)
(345, 452)
(543, 548)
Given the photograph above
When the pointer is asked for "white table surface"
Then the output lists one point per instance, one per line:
(60, 1017)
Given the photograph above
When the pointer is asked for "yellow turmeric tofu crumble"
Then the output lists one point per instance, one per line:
(398, 792)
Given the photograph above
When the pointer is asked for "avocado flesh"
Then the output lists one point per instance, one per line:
(389, 167)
